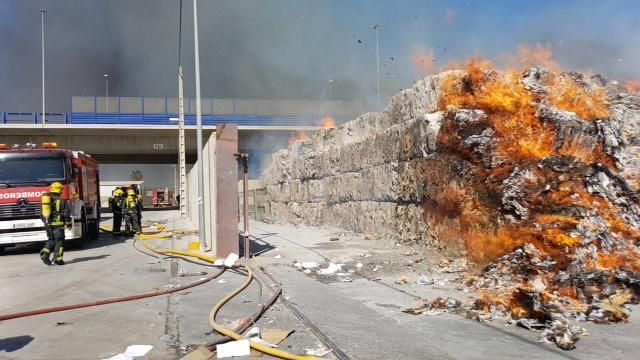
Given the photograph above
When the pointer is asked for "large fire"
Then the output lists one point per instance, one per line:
(524, 165)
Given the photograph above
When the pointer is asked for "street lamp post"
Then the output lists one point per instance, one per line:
(376, 27)
(42, 12)
(106, 86)
(201, 226)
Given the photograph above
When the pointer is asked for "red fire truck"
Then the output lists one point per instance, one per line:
(26, 171)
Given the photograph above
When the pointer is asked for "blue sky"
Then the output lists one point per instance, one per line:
(291, 48)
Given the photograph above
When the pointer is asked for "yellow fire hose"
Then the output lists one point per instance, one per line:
(212, 315)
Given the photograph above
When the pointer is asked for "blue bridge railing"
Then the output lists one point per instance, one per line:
(158, 119)
(34, 118)
(160, 111)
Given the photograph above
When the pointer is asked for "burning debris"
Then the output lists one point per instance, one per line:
(532, 176)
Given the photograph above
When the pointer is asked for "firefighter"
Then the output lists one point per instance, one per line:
(130, 211)
(117, 203)
(56, 215)
(137, 190)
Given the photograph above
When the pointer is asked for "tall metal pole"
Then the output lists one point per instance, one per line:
(201, 227)
(182, 162)
(376, 27)
(106, 85)
(42, 12)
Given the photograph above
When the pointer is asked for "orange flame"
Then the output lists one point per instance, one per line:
(298, 135)
(529, 55)
(460, 214)
(424, 60)
(633, 86)
(327, 122)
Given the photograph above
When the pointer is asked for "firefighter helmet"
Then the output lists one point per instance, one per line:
(118, 192)
(56, 187)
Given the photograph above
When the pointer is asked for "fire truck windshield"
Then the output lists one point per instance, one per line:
(26, 168)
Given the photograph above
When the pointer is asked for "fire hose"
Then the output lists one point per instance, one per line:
(233, 334)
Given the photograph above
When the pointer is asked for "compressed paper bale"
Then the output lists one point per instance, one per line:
(355, 130)
(411, 226)
(377, 183)
(277, 192)
(279, 170)
(419, 138)
(418, 100)
(305, 166)
(329, 163)
(297, 191)
(412, 180)
(379, 149)
(363, 216)
(381, 182)
(313, 214)
(279, 211)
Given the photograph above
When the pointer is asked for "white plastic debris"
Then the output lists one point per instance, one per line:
(277, 256)
(320, 351)
(425, 280)
(306, 265)
(233, 348)
(376, 268)
(133, 351)
(222, 281)
(120, 356)
(331, 269)
(254, 335)
(231, 259)
(359, 266)
(137, 350)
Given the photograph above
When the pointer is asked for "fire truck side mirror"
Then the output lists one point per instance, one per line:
(75, 171)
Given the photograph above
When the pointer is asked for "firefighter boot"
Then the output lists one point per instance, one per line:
(44, 255)
(59, 253)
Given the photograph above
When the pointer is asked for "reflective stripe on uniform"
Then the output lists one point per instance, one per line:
(57, 221)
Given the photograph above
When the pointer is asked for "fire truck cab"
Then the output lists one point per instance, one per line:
(26, 171)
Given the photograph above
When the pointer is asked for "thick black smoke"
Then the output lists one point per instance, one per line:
(249, 49)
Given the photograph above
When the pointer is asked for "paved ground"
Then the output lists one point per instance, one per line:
(362, 317)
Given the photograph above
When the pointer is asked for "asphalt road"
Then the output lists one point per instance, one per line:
(103, 268)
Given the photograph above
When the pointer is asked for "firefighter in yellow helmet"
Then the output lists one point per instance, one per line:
(136, 188)
(117, 205)
(56, 215)
(131, 209)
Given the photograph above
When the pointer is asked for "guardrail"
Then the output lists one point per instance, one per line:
(164, 119)
(33, 118)
(157, 111)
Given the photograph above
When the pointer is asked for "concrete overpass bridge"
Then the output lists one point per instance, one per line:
(141, 130)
